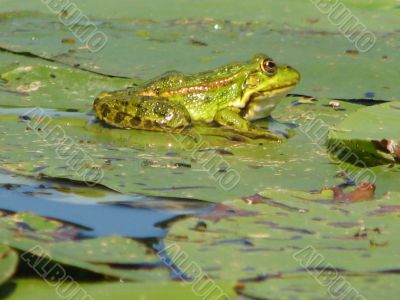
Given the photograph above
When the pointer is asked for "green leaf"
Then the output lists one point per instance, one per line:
(8, 263)
(318, 285)
(364, 132)
(52, 240)
(274, 236)
(138, 47)
(161, 164)
(45, 85)
(35, 289)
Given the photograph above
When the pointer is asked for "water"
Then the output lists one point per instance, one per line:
(96, 211)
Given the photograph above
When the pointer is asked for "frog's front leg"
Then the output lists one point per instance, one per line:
(230, 117)
(137, 112)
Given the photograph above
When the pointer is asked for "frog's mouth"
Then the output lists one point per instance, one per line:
(261, 103)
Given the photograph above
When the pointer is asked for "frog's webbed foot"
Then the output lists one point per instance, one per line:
(138, 112)
(230, 117)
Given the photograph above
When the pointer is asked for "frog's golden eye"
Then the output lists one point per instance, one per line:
(269, 67)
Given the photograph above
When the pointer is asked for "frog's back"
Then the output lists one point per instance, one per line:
(202, 94)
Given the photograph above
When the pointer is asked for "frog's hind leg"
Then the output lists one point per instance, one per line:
(149, 113)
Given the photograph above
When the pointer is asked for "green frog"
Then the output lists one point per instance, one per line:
(230, 96)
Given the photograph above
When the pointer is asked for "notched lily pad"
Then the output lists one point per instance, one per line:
(47, 85)
(368, 137)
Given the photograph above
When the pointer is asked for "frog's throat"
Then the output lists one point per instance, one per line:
(260, 104)
(250, 94)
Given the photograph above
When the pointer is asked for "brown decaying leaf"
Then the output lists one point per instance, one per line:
(364, 192)
(389, 146)
(254, 199)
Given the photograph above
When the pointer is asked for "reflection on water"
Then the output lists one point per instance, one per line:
(97, 211)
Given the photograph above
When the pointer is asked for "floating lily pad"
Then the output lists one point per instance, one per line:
(368, 133)
(137, 47)
(161, 164)
(49, 85)
(286, 230)
(43, 66)
(36, 290)
(317, 285)
(152, 163)
(8, 263)
(52, 240)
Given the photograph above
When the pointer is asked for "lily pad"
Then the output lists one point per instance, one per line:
(317, 285)
(8, 263)
(137, 47)
(49, 73)
(285, 230)
(53, 240)
(51, 85)
(152, 163)
(368, 133)
(35, 290)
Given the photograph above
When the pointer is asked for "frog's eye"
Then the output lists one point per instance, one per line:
(269, 67)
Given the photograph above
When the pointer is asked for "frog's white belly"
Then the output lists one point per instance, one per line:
(261, 106)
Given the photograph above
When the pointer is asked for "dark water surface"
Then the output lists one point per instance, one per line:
(104, 214)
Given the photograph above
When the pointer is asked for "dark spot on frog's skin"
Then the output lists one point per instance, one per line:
(125, 103)
(148, 123)
(119, 117)
(71, 110)
(135, 121)
(105, 110)
(53, 76)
